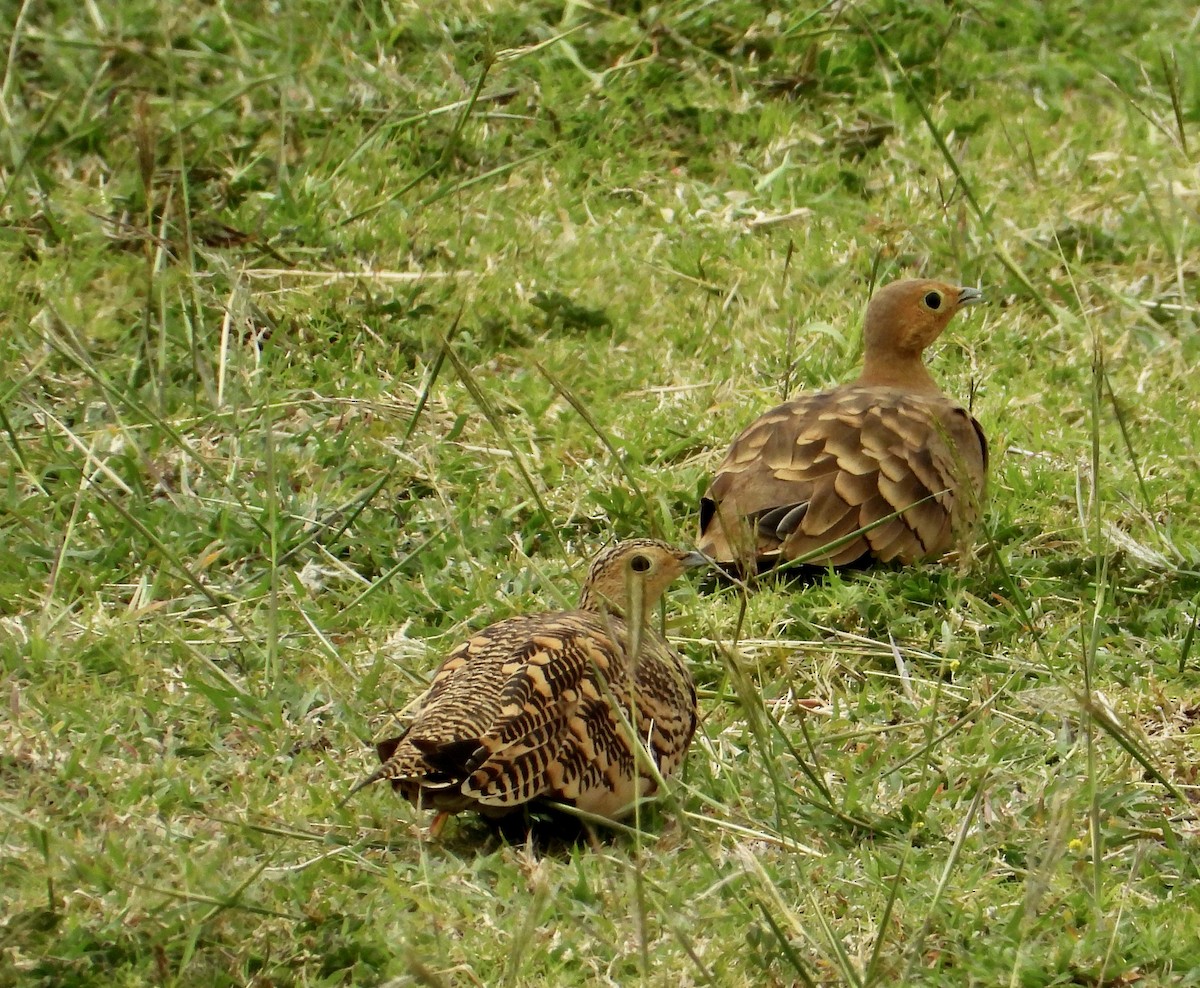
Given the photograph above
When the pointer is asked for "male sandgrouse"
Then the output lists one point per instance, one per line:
(555, 706)
(883, 468)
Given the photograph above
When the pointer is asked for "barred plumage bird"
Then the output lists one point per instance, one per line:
(539, 707)
(803, 478)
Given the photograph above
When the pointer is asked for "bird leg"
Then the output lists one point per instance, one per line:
(439, 821)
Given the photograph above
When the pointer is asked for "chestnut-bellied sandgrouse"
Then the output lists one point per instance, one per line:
(562, 707)
(884, 468)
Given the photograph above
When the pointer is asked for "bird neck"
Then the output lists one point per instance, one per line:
(592, 600)
(892, 369)
(599, 603)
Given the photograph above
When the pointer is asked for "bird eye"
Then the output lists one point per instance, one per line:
(934, 300)
(639, 564)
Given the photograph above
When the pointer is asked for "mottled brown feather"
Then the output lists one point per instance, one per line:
(824, 466)
(537, 707)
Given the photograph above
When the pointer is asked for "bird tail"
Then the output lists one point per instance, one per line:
(386, 749)
(379, 774)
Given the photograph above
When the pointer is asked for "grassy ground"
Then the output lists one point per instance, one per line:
(251, 492)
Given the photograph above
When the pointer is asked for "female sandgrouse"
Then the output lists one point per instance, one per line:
(560, 707)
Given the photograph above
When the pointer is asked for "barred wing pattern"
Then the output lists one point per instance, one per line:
(535, 708)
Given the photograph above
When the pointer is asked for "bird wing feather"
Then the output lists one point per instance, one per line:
(529, 707)
(566, 737)
(845, 460)
(453, 729)
(544, 690)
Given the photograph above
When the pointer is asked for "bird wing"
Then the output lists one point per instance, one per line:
(546, 682)
(539, 707)
(803, 480)
(565, 731)
(615, 729)
(454, 722)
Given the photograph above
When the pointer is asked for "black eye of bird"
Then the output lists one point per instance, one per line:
(933, 300)
(639, 564)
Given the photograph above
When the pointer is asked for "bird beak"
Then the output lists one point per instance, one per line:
(969, 296)
(691, 560)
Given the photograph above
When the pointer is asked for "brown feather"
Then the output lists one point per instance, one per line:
(887, 442)
(539, 707)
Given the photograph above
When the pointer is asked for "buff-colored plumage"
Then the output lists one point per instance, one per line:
(538, 707)
(802, 479)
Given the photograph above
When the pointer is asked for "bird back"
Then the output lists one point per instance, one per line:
(805, 477)
(539, 707)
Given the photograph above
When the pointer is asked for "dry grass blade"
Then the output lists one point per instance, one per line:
(1100, 712)
(366, 275)
(1092, 642)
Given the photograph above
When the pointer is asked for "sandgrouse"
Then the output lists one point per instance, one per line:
(883, 468)
(555, 706)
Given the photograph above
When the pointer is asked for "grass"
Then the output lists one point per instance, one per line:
(335, 331)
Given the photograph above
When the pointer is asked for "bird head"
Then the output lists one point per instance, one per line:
(638, 570)
(906, 316)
